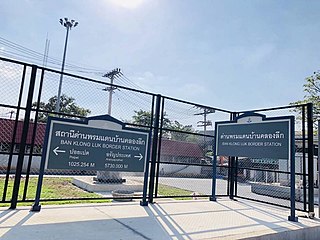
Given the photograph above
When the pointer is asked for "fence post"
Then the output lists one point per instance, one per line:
(229, 163)
(232, 180)
(318, 159)
(292, 161)
(159, 151)
(154, 148)
(233, 168)
(24, 136)
(304, 166)
(214, 167)
(310, 159)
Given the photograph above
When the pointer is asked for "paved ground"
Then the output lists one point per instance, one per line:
(203, 186)
(198, 219)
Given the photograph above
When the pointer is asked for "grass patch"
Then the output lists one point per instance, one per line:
(164, 190)
(52, 188)
(62, 188)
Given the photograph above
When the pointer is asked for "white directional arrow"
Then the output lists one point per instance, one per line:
(139, 156)
(56, 151)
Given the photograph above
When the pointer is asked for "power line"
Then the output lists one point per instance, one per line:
(39, 56)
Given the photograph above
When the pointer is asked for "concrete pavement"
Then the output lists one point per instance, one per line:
(166, 219)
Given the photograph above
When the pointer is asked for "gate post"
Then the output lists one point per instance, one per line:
(154, 148)
(232, 180)
(233, 168)
(310, 159)
(24, 136)
(159, 151)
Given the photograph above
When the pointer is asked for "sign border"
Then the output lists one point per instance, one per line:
(264, 119)
(36, 207)
(291, 156)
(84, 123)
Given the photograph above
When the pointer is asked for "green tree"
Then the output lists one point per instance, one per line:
(144, 118)
(67, 105)
(312, 90)
(181, 136)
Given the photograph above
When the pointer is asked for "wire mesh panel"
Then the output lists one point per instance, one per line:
(82, 97)
(268, 180)
(183, 153)
(184, 164)
(14, 77)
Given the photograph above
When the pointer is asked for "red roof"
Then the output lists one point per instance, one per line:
(7, 127)
(168, 147)
(183, 149)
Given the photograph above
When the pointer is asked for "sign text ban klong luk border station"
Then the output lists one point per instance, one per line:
(256, 136)
(100, 143)
(83, 147)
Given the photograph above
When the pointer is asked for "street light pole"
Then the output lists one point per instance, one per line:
(68, 25)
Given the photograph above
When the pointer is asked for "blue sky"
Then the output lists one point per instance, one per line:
(235, 55)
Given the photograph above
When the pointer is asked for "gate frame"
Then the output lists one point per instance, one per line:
(155, 127)
(291, 155)
(307, 171)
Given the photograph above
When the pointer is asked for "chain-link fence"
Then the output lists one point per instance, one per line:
(80, 97)
(182, 143)
(185, 151)
(268, 180)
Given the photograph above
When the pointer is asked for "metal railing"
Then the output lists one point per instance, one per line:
(182, 143)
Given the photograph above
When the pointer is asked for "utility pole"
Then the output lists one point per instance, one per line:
(11, 113)
(205, 122)
(111, 75)
(105, 176)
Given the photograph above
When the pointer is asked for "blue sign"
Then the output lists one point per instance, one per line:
(84, 145)
(251, 136)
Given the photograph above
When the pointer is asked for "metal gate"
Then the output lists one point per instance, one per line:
(268, 180)
(187, 167)
(182, 142)
(27, 98)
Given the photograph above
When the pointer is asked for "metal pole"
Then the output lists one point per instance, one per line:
(110, 94)
(304, 167)
(62, 69)
(318, 171)
(232, 177)
(232, 160)
(144, 201)
(292, 216)
(159, 151)
(214, 168)
(26, 184)
(154, 148)
(310, 159)
(17, 179)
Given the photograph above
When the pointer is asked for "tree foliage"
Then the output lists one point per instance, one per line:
(67, 105)
(312, 90)
(177, 130)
